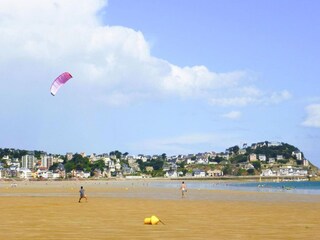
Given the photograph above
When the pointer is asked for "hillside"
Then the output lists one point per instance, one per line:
(247, 160)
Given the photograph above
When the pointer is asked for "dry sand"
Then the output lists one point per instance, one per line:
(50, 210)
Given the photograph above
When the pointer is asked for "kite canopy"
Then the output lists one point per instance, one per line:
(59, 81)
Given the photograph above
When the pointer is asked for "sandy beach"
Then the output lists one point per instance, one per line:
(50, 210)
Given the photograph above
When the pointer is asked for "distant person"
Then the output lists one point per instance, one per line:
(183, 189)
(82, 194)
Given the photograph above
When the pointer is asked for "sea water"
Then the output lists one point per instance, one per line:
(302, 187)
(299, 187)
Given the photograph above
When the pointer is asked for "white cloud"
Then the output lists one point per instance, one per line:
(46, 29)
(277, 97)
(232, 115)
(232, 101)
(198, 80)
(114, 62)
(185, 144)
(248, 95)
(313, 116)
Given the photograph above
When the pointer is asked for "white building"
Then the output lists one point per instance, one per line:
(45, 174)
(199, 173)
(272, 160)
(297, 154)
(252, 157)
(267, 172)
(279, 157)
(171, 174)
(69, 156)
(215, 173)
(274, 144)
(28, 161)
(262, 157)
(46, 161)
(25, 173)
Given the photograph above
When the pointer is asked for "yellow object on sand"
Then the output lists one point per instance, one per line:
(147, 221)
(154, 220)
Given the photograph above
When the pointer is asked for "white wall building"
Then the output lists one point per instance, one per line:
(46, 161)
(25, 173)
(28, 161)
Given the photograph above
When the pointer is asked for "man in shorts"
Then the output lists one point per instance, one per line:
(82, 194)
(183, 189)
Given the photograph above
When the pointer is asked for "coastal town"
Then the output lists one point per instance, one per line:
(264, 159)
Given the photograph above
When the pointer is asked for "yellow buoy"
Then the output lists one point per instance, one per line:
(147, 221)
(154, 220)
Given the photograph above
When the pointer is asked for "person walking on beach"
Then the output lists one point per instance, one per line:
(82, 194)
(183, 189)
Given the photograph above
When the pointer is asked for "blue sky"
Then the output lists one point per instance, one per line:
(160, 76)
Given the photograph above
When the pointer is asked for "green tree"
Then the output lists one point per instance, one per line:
(54, 167)
(233, 150)
(181, 165)
(157, 173)
(125, 154)
(227, 170)
(241, 172)
(283, 161)
(78, 163)
(157, 164)
(257, 165)
(142, 165)
(100, 164)
(218, 159)
(250, 172)
(37, 154)
(238, 158)
(69, 166)
(118, 154)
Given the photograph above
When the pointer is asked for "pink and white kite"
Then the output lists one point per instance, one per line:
(59, 81)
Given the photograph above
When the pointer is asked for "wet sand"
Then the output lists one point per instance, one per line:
(50, 210)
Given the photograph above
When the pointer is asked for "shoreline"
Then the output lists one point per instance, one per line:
(155, 189)
(220, 178)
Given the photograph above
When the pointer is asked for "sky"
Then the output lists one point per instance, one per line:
(161, 76)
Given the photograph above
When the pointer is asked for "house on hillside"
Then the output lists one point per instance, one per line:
(262, 157)
(274, 144)
(242, 151)
(149, 168)
(272, 160)
(69, 156)
(202, 161)
(198, 173)
(252, 157)
(286, 171)
(171, 174)
(215, 173)
(246, 165)
(279, 157)
(297, 154)
(267, 173)
(190, 161)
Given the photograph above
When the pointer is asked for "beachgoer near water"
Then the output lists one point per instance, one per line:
(183, 189)
(82, 194)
